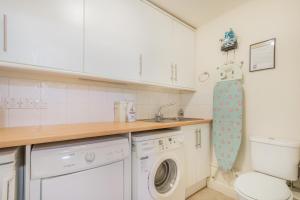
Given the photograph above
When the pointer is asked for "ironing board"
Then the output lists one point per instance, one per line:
(227, 122)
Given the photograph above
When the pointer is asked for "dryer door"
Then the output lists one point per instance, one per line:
(105, 182)
(164, 177)
(7, 181)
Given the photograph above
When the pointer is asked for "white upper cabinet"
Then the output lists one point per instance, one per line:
(183, 55)
(168, 50)
(46, 33)
(121, 40)
(157, 46)
(112, 39)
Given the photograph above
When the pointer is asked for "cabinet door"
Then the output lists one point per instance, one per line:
(184, 55)
(112, 38)
(157, 46)
(203, 153)
(191, 156)
(105, 182)
(42, 33)
(197, 153)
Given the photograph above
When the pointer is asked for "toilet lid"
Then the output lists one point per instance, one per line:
(262, 187)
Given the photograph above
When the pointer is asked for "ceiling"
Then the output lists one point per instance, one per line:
(197, 12)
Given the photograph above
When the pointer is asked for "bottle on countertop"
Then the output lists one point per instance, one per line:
(131, 112)
(124, 111)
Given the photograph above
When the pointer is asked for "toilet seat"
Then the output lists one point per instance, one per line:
(258, 186)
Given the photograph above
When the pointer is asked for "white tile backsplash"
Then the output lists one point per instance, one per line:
(3, 94)
(3, 117)
(77, 94)
(56, 113)
(23, 88)
(23, 117)
(3, 86)
(77, 112)
(53, 93)
(66, 102)
(198, 110)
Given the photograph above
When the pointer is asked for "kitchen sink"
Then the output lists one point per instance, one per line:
(171, 119)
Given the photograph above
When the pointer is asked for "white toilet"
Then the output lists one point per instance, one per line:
(274, 161)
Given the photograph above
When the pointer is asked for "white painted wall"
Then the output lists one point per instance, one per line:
(272, 103)
(72, 101)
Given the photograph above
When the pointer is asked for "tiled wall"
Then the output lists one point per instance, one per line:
(59, 102)
(198, 104)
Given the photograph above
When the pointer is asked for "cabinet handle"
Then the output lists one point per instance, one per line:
(176, 78)
(4, 33)
(199, 138)
(141, 65)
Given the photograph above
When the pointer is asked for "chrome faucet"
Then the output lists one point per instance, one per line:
(159, 116)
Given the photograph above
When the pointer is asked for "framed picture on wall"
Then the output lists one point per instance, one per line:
(262, 55)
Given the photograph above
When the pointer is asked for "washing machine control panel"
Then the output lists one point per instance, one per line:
(162, 144)
(158, 145)
(174, 142)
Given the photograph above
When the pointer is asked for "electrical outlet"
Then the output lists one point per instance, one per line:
(23, 103)
(14, 103)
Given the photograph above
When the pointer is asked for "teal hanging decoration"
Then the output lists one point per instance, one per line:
(229, 41)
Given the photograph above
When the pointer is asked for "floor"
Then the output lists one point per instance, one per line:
(208, 194)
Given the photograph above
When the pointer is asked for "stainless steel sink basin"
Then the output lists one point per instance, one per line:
(171, 119)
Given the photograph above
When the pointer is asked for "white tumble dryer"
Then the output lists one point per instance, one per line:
(158, 165)
(83, 170)
(11, 174)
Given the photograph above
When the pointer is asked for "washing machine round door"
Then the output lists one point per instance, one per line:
(164, 177)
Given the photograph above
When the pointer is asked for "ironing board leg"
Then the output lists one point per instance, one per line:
(215, 174)
(234, 172)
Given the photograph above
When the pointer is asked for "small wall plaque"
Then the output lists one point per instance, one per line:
(262, 55)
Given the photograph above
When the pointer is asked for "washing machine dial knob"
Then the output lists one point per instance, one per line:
(90, 157)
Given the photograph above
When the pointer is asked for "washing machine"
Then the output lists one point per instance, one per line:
(88, 169)
(158, 165)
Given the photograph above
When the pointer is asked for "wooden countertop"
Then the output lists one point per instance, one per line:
(10, 137)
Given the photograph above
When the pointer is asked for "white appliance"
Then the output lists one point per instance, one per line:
(274, 161)
(83, 170)
(158, 165)
(10, 174)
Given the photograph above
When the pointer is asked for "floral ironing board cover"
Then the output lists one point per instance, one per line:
(227, 122)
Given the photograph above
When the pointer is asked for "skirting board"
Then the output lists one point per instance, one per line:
(195, 188)
(221, 187)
